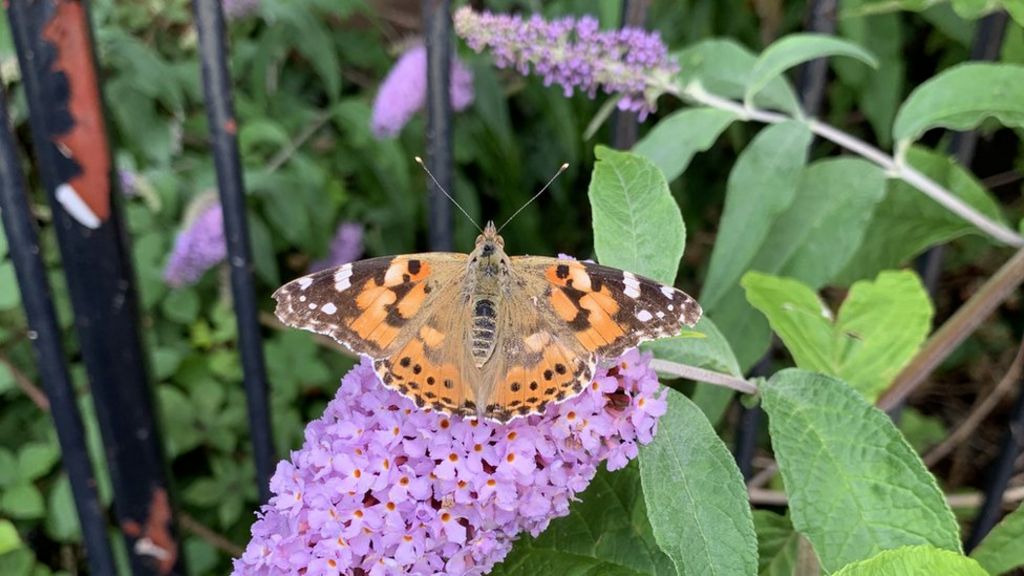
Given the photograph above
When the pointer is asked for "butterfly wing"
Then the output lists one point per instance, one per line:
(562, 315)
(609, 310)
(402, 311)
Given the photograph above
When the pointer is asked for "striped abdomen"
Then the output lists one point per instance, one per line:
(484, 329)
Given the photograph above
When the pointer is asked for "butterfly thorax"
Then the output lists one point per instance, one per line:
(487, 271)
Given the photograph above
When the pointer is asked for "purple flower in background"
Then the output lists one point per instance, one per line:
(129, 182)
(575, 54)
(404, 91)
(380, 487)
(347, 246)
(199, 247)
(235, 9)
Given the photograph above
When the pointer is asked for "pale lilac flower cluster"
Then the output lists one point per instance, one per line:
(129, 181)
(575, 54)
(236, 9)
(382, 488)
(347, 246)
(404, 91)
(199, 247)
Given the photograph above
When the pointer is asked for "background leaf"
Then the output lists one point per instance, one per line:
(879, 328)
(914, 560)
(951, 100)
(796, 49)
(637, 224)
(761, 186)
(722, 66)
(855, 486)
(676, 138)
(1001, 550)
(606, 532)
(776, 544)
(811, 240)
(906, 222)
(696, 499)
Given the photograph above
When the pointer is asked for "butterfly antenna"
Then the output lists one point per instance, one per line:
(561, 169)
(441, 188)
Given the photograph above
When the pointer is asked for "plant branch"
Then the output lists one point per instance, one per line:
(702, 375)
(37, 396)
(212, 538)
(982, 407)
(893, 167)
(955, 330)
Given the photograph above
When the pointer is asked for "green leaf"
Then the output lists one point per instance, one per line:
(36, 459)
(776, 544)
(22, 502)
(675, 139)
(3, 241)
(695, 496)
(826, 222)
(761, 186)
(723, 67)
(62, 517)
(637, 224)
(921, 430)
(952, 100)
(906, 222)
(706, 348)
(855, 486)
(1001, 550)
(880, 91)
(605, 533)
(796, 49)
(880, 326)
(9, 538)
(181, 305)
(10, 297)
(914, 560)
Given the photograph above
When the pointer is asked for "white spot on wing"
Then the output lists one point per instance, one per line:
(668, 291)
(341, 278)
(305, 282)
(76, 207)
(632, 285)
(660, 314)
(329, 308)
(643, 316)
(312, 306)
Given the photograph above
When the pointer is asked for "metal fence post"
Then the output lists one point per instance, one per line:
(437, 25)
(55, 49)
(45, 334)
(224, 134)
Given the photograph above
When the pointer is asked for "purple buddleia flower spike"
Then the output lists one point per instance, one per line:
(575, 54)
(404, 91)
(380, 487)
(347, 246)
(199, 247)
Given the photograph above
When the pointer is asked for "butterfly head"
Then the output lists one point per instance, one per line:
(489, 242)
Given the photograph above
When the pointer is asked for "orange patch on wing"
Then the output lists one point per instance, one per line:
(431, 337)
(416, 376)
(602, 307)
(374, 311)
(563, 306)
(577, 275)
(404, 270)
(411, 302)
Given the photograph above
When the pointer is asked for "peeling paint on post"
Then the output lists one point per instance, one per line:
(55, 51)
